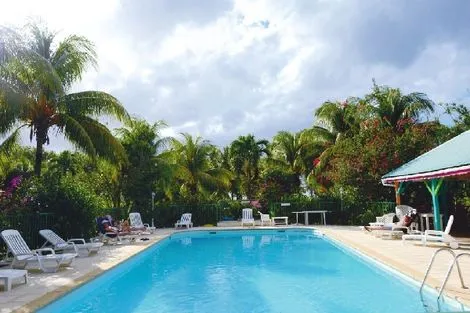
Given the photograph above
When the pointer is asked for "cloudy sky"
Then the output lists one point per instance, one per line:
(224, 68)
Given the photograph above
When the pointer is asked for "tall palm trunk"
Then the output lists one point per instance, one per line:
(41, 136)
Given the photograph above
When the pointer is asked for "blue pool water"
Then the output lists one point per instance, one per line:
(248, 271)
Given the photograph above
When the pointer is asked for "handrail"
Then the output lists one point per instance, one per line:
(454, 262)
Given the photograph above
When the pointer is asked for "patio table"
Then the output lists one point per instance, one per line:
(283, 220)
(306, 213)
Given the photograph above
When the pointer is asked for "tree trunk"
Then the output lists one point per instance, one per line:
(40, 140)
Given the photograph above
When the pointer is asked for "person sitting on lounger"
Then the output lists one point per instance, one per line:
(403, 224)
(112, 229)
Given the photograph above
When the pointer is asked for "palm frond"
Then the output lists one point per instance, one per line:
(94, 103)
(10, 142)
(105, 144)
(76, 134)
(319, 134)
(71, 58)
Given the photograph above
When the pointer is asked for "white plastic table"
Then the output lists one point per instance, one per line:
(8, 275)
(282, 218)
(296, 217)
(306, 213)
(426, 216)
(322, 216)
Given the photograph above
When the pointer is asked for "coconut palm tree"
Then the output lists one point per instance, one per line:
(35, 79)
(142, 142)
(335, 120)
(193, 167)
(291, 149)
(246, 153)
(391, 106)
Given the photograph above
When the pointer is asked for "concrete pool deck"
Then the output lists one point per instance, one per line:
(45, 287)
(409, 259)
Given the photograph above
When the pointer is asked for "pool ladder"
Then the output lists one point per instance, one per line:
(455, 262)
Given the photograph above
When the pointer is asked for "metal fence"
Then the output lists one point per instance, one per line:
(28, 225)
(338, 213)
(202, 214)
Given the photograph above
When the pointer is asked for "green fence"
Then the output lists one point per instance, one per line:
(166, 216)
(28, 225)
(339, 213)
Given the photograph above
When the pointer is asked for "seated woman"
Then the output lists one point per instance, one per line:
(402, 225)
(112, 229)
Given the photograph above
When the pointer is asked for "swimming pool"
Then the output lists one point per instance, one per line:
(292, 270)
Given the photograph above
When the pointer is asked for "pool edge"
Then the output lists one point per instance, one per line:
(62, 291)
(362, 253)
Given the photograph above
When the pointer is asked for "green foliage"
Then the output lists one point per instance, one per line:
(390, 106)
(73, 202)
(195, 171)
(277, 184)
(358, 163)
(138, 176)
(245, 155)
(34, 80)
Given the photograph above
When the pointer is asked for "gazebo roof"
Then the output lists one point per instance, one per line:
(452, 158)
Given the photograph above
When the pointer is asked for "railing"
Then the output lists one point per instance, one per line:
(449, 271)
(28, 225)
(167, 215)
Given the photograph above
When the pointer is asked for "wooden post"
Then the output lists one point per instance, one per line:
(397, 193)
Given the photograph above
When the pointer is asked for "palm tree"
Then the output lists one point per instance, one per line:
(35, 78)
(391, 106)
(142, 142)
(245, 154)
(334, 121)
(288, 149)
(194, 168)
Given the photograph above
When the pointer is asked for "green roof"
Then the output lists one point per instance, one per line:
(451, 158)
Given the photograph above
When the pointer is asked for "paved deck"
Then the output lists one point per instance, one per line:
(44, 287)
(409, 259)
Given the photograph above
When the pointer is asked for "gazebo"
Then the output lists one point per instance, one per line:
(450, 160)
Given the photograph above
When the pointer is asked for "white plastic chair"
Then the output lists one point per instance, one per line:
(184, 221)
(265, 219)
(247, 217)
(23, 256)
(78, 245)
(386, 219)
(136, 223)
(436, 236)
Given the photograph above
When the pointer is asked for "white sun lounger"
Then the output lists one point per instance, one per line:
(78, 245)
(436, 236)
(137, 224)
(184, 221)
(23, 256)
(247, 217)
(8, 275)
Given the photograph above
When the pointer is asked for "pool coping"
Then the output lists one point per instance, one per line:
(399, 268)
(362, 252)
(407, 279)
(62, 291)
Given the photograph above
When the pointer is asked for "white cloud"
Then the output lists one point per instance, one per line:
(225, 68)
